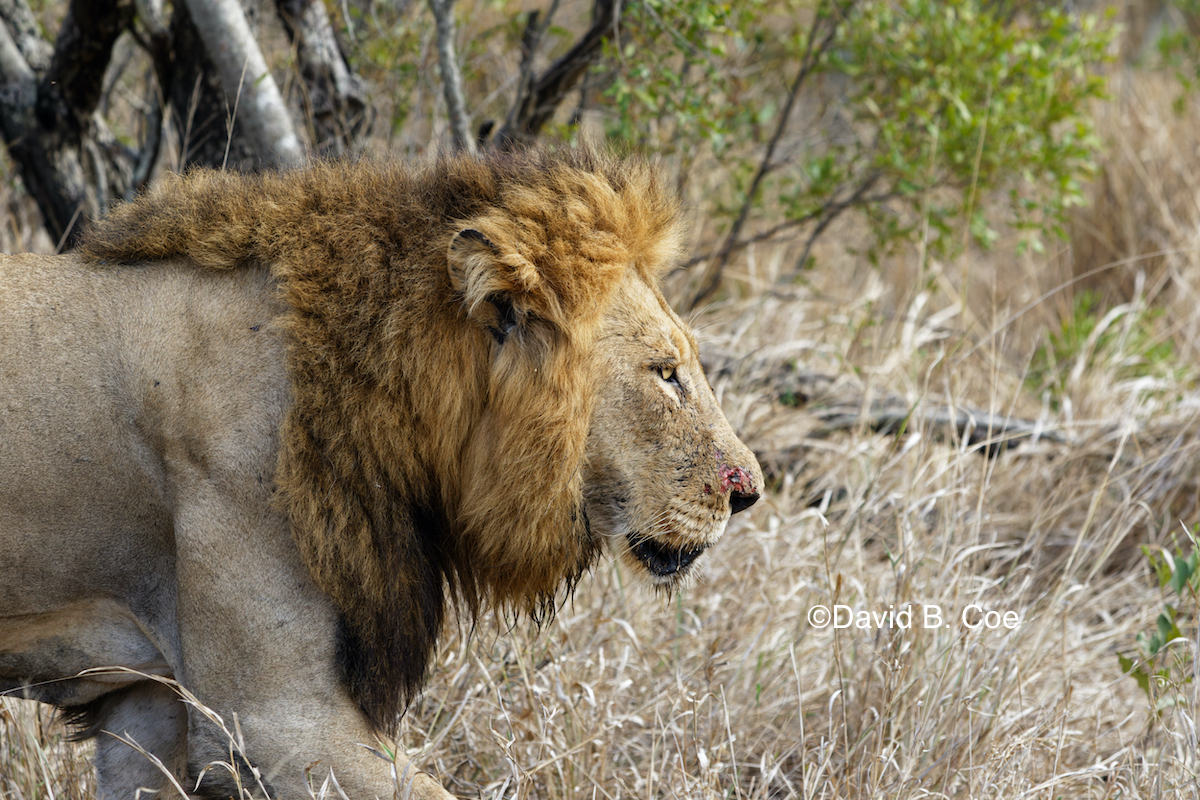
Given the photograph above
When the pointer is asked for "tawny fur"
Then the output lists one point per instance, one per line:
(413, 457)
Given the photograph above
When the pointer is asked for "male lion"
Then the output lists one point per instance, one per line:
(259, 432)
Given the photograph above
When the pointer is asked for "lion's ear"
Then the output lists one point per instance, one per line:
(470, 256)
(491, 282)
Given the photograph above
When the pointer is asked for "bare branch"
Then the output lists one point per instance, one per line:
(839, 406)
(456, 106)
(531, 42)
(198, 108)
(246, 80)
(157, 43)
(537, 101)
(825, 214)
(832, 211)
(818, 43)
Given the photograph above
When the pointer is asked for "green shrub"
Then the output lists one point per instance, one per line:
(930, 105)
(1160, 669)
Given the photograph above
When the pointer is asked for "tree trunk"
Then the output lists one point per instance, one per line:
(69, 160)
(456, 106)
(335, 98)
(26, 34)
(257, 105)
(223, 103)
(538, 99)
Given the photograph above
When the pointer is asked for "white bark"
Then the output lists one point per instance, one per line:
(25, 33)
(150, 12)
(15, 75)
(246, 80)
(456, 106)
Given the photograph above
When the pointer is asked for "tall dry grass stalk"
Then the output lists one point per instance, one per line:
(729, 690)
(1144, 212)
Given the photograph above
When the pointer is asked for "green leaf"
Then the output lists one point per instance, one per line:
(1134, 670)
(1167, 631)
(1183, 571)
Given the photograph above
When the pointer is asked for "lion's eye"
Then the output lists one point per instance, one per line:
(668, 375)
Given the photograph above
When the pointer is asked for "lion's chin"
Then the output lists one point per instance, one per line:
(662, 560)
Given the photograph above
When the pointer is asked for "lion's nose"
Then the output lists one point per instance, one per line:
(740, 501)
(738, 484)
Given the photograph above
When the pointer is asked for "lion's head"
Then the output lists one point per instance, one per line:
(488, 387)
(663, 471)
(588, 359)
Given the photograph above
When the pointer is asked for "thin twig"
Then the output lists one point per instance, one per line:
(232, 115)
(831, 212)
(808, 63)
(796, 222)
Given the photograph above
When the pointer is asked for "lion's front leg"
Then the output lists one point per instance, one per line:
(285, 757)
(259, 643)
(131, 725)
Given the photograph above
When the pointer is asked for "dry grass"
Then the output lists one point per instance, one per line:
(727, 690)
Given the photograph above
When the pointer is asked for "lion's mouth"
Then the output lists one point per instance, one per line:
(661, 559)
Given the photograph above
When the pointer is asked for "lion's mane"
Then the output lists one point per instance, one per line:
(416, 461)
